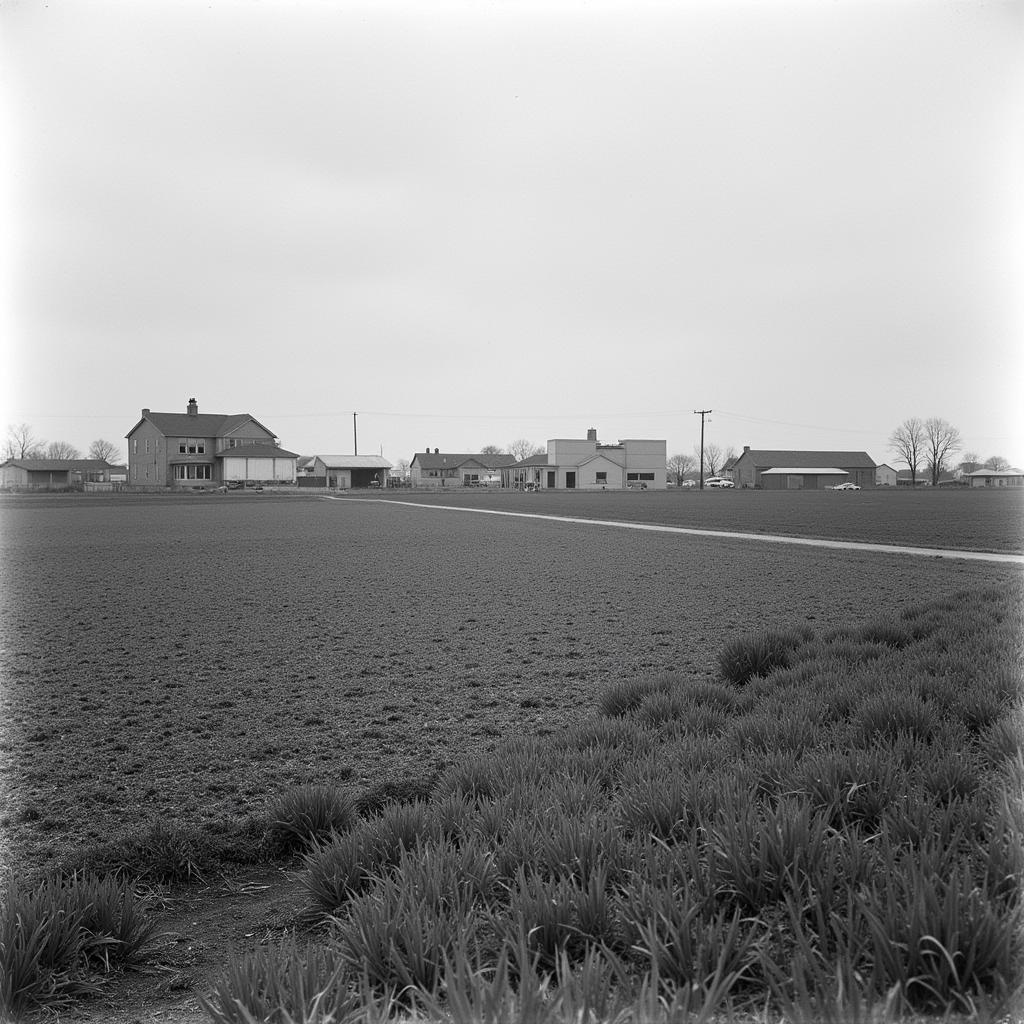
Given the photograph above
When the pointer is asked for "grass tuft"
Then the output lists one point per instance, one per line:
(301, 817)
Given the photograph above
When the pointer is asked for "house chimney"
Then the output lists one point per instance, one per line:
(437, 451)
(592, 434)
(145, 412)
(193, 409)
(746, 447)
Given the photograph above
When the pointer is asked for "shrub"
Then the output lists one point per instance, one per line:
(306, 815)
(757, 655)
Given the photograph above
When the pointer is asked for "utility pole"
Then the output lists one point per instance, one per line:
(701, 413)
(355, 436)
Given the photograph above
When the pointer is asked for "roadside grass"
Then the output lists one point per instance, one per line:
(832, 833)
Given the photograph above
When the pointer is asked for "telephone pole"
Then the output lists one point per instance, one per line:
(355, 436)
(701, 413)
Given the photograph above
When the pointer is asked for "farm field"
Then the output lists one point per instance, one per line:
(188, 658)
(945, 517)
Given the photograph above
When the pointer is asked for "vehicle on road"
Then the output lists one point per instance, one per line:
(845, 486)
(718, 481)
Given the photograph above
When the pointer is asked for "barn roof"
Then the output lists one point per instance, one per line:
(804, 470)
(771, 457)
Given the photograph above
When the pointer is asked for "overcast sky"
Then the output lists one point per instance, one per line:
(471, 223)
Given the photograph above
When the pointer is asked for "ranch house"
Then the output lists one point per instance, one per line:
(446, 469)
(802, 470)
(194, 449)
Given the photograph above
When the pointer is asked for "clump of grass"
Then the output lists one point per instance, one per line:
(300, 817)
(404, 790)
(289, 984)
(62, 937)
(160, 853)
(622, 697)
(757, 655)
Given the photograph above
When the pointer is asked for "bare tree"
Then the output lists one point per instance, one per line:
(523, 449)
(997, 463)
(941, 440)
(969, 462)
(62, 450)
(21, 443)
(712, 458)
(680, 465)
(491, 449)
(908, 442)
(105, 450)
(402, 469)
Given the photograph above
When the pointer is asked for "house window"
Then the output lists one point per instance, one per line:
(147, 445)
(602, 478)
(186, 472)
(135, 446)
(632, 476)
(191, 446)
(646, 476)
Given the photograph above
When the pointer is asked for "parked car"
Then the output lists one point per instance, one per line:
(637, 485)
(718, 481)
(688, 483)
(845, 486)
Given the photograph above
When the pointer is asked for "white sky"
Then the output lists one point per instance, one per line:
(474, 222)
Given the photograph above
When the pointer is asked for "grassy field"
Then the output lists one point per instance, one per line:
(186, 660)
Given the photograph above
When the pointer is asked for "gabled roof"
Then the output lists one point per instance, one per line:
(996, 472)
(202, 424)
(603, 456)
(354, 461)
(770, 457)
(451, 460)
(804, 471)
(255, 451)
(60, 465)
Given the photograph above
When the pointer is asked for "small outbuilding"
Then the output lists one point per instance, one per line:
(996, 478)
(343, 472)
(53, 474)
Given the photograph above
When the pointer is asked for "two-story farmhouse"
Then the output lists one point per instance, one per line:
(802, 470)
(194, 449)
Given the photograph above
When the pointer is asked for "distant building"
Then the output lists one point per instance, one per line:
(588, 465)
(452, 469)
(885, 475)
(802, 470)
(343, 472)
(194, 449)
(54, 474)
(996, 478)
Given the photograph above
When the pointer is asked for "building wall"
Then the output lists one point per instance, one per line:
(13, 476)
(264, 470)
(148, 457)
(587, 475)
(885, 476)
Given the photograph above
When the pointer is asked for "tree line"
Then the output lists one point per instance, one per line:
(22, 442)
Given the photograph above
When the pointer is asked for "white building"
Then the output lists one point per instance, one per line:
(588, 465)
